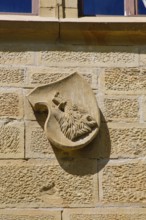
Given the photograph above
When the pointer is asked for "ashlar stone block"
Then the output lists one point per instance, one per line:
(124, 81)
(71, 3)
(121, 108)
(48, 3)
(16, 58)
(127, 140)
(27, 214)
(12, 76)
(48, 12)
(47, 183)
(71, 12)
(11, 103)
(37, 144)
(123, 182)
(11, 139)
(105, 214)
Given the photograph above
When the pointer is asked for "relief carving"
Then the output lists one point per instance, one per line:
(73, 115)
(74, 122)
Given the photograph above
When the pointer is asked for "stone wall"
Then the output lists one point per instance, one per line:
(107, 179)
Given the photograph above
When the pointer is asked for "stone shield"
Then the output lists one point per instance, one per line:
(73, 115)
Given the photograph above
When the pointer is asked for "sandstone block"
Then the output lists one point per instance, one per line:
(48, 3)
(12, 76)
(48, 12)
(71, 3)
(11, 139)
(87, 56)
(45, 183)
(105, 214)
(71, 12)
(16, 58)
(125, 80)
(11, 103)
(127, 140)
(123, 182)
(8, 214)
(121, 108)
(37, 144)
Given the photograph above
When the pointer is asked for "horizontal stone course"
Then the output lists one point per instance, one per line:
(87, 56)
(47, 183)
(123, 182)
(30, 214)
(105, 214)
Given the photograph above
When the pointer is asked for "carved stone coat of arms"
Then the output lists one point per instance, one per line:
(73, 115)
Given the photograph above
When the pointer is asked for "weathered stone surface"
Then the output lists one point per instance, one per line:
(71, 12)
(11, 103)
(125, 80)
(11, 140)
(37, 144)
(143, 108)
(45, 183)
(105, 214)
(17, 58)
(31, 214)
(40, 76)
(86, 56)
(121, 108)
(71, 3)
(48, 12)
(124, 182)
(47, 3)
(127, 140)
(12, 76)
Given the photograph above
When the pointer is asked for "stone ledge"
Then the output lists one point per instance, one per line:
(86, 30)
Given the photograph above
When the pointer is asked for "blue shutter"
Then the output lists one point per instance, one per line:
(16, 6)
(141, 7)
(103, 7)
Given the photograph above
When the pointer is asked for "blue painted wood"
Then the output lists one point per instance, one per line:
(16, 6)
(141, 8)
(103, 7)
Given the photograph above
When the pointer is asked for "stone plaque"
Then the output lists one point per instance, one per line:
(73, 115)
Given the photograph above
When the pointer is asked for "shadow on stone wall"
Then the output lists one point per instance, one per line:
(84, 161)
